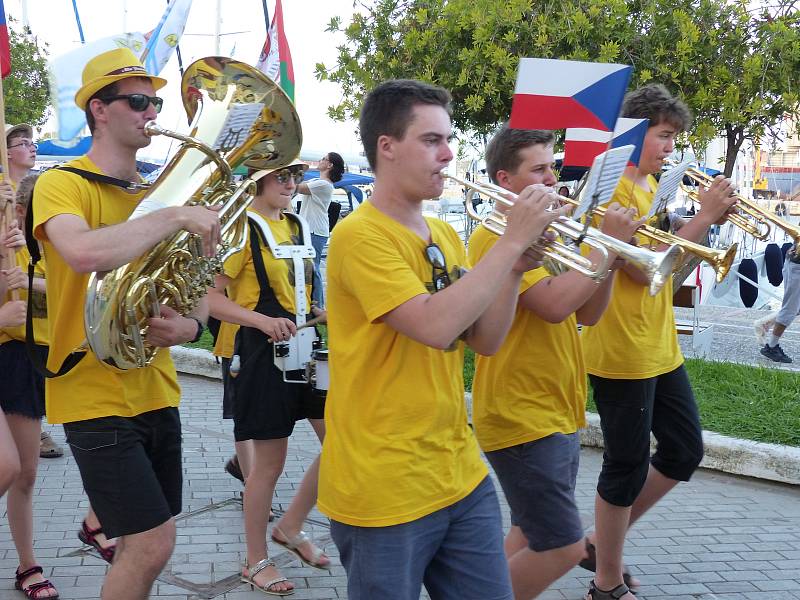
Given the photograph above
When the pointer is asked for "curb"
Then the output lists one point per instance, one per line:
(772, 462)
(760, 460)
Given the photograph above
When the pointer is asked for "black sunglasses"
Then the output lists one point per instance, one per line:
(137, 102)
(439, 277)
(283, 176)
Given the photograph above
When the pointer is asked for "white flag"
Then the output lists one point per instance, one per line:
(269, 61)
(65, 78)
(161, 42)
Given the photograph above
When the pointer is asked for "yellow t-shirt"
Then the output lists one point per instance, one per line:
(536, 383)
(90, 390)
(245, 290)
(38, 305)
(398, 446)
(635, 338)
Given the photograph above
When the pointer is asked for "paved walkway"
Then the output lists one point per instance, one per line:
(734, 338)
(718, 537)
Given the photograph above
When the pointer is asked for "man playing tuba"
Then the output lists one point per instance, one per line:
(123, 426)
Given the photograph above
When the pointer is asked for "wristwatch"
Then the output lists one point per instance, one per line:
(200, 328)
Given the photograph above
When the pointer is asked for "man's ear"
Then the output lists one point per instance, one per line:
(98, 109)
(502, 178)
(385, 147)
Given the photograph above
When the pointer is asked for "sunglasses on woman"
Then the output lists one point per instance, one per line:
(137, 102)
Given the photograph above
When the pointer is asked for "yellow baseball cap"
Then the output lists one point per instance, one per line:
(108, 67)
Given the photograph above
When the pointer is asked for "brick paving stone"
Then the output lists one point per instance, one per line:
(716, 538)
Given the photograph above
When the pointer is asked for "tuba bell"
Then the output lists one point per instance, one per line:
(238, 117)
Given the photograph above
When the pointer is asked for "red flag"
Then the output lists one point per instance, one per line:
(5, 48)
(276, 59)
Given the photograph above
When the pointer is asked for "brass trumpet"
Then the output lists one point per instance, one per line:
(657, 266)
(720, 259)
(762, 219)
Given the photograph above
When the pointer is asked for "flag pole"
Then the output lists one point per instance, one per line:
(266, 14)
(9, 255)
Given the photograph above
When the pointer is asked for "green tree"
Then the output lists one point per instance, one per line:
(26, 91)
(736, 70)
(471, 47)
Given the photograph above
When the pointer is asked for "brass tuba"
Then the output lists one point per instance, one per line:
(238, 117)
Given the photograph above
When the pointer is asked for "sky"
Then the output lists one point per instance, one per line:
(242, 32)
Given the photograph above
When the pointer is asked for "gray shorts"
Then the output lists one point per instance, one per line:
(538, 479)
(791, 293)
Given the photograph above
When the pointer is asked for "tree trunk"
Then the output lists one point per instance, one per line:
(735, 138)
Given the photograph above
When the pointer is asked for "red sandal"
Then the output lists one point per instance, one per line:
(88, 537)
(34, 590)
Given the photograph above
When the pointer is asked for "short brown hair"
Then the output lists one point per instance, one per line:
(387, 110)
(15, 135)
(655, 102)
(502, 152)
(110, 90)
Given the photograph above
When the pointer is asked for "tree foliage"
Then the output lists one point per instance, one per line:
(737, 70)
(25, 90)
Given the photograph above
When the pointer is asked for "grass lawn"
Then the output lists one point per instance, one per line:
(742, 401)
(754, 403)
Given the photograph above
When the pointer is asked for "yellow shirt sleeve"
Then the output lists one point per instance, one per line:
(370, 261)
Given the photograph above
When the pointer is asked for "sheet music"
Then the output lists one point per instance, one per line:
(607, 169)
(237, 126)
(668, 188)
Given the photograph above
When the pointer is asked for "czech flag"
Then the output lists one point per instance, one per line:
(557, 94)
(581, 145)
(5, 48)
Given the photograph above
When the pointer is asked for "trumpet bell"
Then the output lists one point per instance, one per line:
(659, 267)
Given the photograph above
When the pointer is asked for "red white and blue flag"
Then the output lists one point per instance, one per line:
(581, 145)
(5, 47)
(557, 94)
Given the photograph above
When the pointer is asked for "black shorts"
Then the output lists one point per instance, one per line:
(131, 468)
(629, 410)
(23, 387)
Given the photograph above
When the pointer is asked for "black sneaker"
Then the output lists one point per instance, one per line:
(775, 353)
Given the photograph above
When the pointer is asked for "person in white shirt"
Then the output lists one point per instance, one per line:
(315, 197)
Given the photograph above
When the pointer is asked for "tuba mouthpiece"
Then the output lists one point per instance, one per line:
(152, 129)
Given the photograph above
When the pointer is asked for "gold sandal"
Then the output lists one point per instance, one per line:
(292, 544)
(257, 568)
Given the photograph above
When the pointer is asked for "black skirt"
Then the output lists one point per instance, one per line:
(23, 387)
(265, 407)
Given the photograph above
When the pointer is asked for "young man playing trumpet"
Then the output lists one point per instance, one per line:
(529, 398)
(635, 364)
(401, 476)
